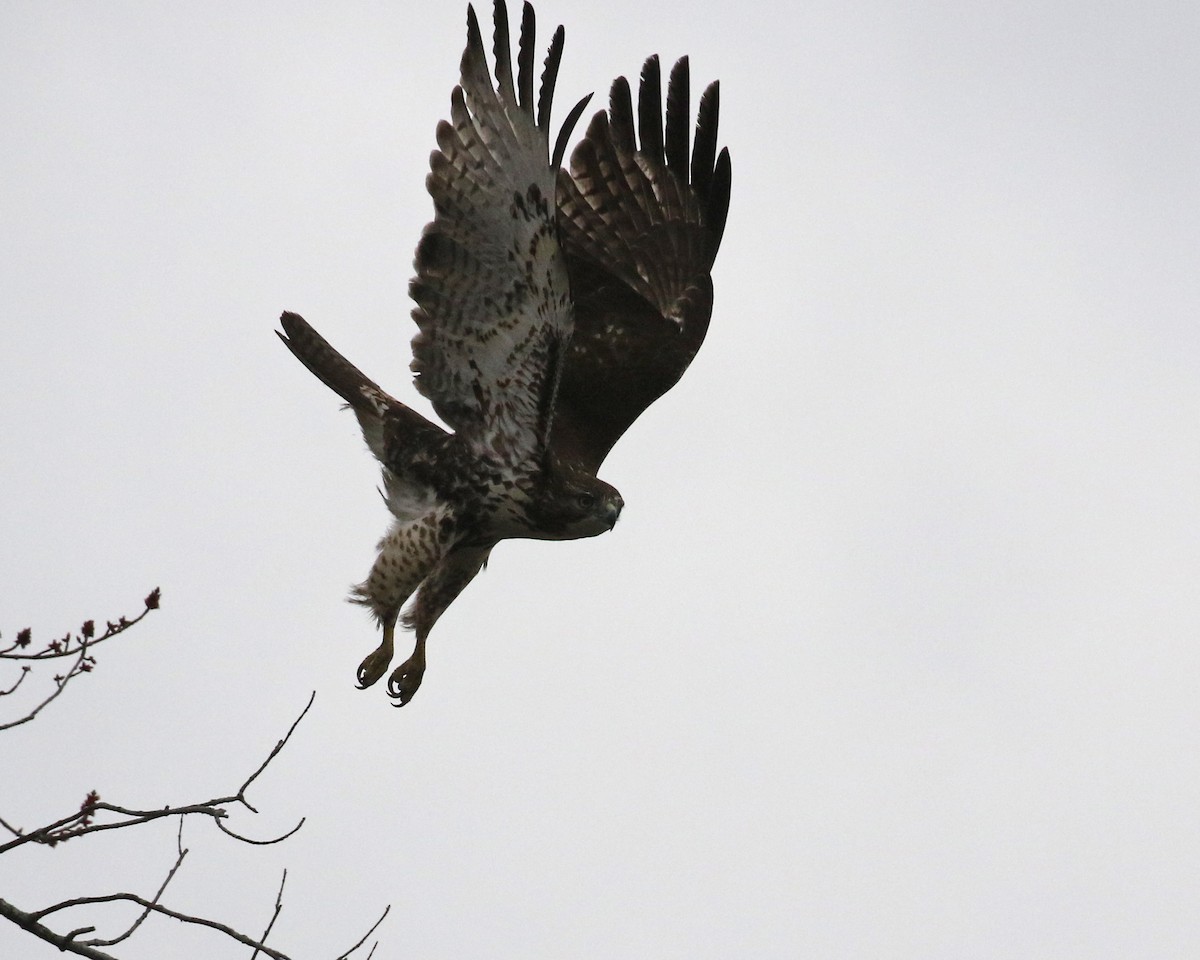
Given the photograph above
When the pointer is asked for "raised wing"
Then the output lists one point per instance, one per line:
(641, 226)
(492, 293)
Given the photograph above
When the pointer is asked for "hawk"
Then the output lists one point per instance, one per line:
(552, 308)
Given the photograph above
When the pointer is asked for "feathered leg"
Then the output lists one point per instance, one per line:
(448, 579)
(407, 555)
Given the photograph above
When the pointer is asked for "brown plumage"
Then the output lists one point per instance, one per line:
(552, 309)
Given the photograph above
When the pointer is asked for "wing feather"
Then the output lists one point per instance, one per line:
(678, 118)
(641, 225)
(491, 286)
(525, 61)
(650, 111)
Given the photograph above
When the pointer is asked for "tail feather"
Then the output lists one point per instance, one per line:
(379, 415)
(331, 368)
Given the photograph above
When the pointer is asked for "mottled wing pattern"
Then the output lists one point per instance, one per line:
(641, 224)
(492, 292)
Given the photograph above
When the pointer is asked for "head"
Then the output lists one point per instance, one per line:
(572, 504)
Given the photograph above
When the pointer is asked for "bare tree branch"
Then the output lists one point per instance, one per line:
(258, 843)
(78, 824)
(64, 942)
(83, 664)
(68, 646)
(20, 679)
(77, 647)
(95, 815)
(157, 908)
(241, 794)
(158, 896)
(84, 821)
(87, 948)
(366, 936)
(274, 915)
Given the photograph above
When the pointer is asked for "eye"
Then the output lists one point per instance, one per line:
(587, 501)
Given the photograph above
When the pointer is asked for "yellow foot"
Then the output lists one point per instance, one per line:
(378, 660)
(406, 678)
(373, 667)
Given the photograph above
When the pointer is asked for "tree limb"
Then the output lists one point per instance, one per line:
(158, 896)
(157, 908)
(63, 941)
(81, 823)
(77, 647)
(95, 815)
(78, 824)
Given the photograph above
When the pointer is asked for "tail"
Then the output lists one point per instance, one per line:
(331, 368)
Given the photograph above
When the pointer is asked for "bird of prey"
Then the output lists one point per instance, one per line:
(553, 306)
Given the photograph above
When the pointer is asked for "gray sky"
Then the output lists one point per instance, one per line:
(894, 651)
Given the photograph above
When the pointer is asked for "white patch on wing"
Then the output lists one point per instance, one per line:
(406, 499)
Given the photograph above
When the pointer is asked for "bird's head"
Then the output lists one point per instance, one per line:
(575, 504)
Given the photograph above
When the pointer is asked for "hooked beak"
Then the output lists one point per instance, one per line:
(612, 511)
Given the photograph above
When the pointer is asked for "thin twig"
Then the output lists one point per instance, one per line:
(158, 896)
(20, 679)
(62, 648)
(60, 685)
(274, 916)
(61, 830)
(241, 794)
(366, 936)
(258, 843)
(77, 646)
(70, 826)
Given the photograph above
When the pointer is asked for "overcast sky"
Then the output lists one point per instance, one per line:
(894, 652)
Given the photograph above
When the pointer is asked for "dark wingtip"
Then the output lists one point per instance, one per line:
(502, 48)
(560, 145)
(549, 79)
(525, 56)
(704, 148)
(718, 203)
(650, 111)
(474, 42)
(620, 112)
(678, 118)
